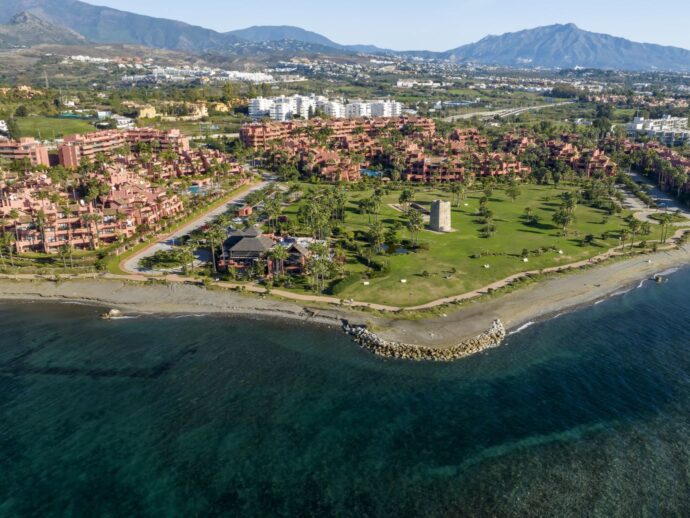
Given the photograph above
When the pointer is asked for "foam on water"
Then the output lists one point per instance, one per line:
(522, 328)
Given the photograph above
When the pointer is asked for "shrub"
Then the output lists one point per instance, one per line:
(340, 286)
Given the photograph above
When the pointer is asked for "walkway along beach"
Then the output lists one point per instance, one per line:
(175, 294)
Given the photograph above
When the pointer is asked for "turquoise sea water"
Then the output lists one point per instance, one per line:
(584, 415)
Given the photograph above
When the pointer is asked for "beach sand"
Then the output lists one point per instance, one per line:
(526, 304)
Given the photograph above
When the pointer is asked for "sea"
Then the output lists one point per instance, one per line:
(584, 414)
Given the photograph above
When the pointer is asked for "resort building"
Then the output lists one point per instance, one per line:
(249, 248)
(123, 196)
(75, 148)
(25, 149)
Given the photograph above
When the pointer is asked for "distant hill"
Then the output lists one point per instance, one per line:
(106, 25)
(555, 46)
(25, 29)
(281, 33)
(568, 46)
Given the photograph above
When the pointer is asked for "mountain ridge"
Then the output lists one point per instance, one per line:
(568, 46)
(26, 29)
(553, 46)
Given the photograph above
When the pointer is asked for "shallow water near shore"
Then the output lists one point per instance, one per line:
(585, 414)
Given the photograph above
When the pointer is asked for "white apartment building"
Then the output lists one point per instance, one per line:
(301, 106)
(358, 109)
(260, 108)
(669, 130)
(386, 108)
(333, 109)
(284, 108)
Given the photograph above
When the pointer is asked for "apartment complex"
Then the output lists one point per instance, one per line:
(25, 149)
(410, 149)
(261, 135)
(125, 194)
(75, 148)
(671, 131)
(304, 107)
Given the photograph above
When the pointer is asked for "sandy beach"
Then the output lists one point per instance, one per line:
(525, 304)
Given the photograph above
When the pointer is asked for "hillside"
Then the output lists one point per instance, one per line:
(25, 29)
(106, 25)
(568, 46)
(554, 46)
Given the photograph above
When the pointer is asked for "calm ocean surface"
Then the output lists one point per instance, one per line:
(584, 415)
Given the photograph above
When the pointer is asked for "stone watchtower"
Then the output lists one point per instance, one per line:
(440, 216)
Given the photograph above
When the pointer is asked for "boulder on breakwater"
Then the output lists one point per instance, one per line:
(388, 349)
(113, 313)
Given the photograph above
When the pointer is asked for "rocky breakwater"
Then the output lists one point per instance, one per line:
(388, 349)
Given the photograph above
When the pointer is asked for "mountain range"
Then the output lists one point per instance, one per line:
(29, 22)
(25, 29)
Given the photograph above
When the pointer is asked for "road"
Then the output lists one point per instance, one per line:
(507, 112)
(665, 201)
(132, 265)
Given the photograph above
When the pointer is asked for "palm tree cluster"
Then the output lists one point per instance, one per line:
(326, 208)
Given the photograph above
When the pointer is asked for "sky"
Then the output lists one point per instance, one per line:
(428, 24)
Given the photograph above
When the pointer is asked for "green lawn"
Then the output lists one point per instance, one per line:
(49, 128)
(449, 264)
(225, 123)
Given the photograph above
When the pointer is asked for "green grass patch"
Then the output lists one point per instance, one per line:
(673, 218)
(49, 128)
(456, 262)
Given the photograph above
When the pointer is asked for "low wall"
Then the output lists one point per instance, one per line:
(380, 347)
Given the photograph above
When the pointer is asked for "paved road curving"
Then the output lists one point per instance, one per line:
(132, 264)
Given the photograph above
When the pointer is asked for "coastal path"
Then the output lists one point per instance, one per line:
(616, 252)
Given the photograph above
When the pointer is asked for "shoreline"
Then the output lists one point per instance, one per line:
(464, 323)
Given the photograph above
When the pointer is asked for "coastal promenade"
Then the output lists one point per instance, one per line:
(138, 277)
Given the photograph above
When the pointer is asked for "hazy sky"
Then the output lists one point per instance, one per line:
(429, 24)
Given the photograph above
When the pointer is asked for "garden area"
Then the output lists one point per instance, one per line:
(496, 233)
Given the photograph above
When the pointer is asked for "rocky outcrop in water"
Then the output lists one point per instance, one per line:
(388, 349)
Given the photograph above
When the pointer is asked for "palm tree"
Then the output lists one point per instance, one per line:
(14, 216)
(415, 223)
(7, 243)
(188, 250)
(319, 264)
(665, 220)
(92, 220)
(458, 191)
(273, 207)
(376, 236)
(41, 224)
(65, 251)
(405, 199)
(215, 235)
(278, 256)
(634, 225)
